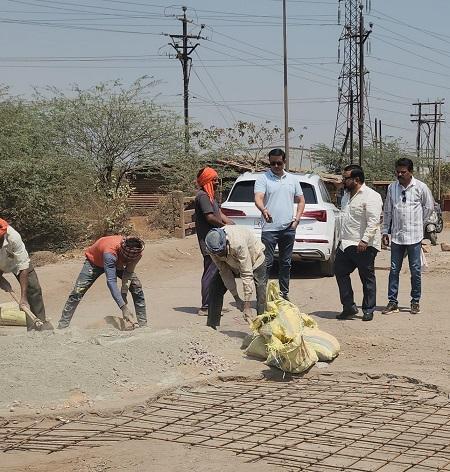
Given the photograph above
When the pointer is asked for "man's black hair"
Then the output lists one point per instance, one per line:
(405, 162)
(277, 152)
(356, 171)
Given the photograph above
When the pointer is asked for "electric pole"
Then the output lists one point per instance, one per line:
(183, 48)
(285, 88)
(363, 35)
(429, 117)
(352, 90)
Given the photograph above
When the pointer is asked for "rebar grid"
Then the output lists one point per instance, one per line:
(321, 424)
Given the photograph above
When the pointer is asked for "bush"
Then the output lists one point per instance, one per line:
(165, 215)
(36, 197)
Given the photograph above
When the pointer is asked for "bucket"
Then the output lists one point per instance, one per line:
(10, 315)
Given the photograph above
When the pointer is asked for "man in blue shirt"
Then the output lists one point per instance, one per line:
(276, 191)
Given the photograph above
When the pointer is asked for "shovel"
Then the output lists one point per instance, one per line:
(37, 323)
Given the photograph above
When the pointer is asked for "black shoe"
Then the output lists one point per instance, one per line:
(367, 317)
(415, 308)
(347, 314)
(392, 307)
(285, 296)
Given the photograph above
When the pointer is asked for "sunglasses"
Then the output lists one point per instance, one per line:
(276, 164)
(404, 196)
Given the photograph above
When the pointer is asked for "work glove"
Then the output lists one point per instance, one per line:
(239, 302)
(5, 285)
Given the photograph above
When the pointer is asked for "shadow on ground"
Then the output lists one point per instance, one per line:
(191, 310)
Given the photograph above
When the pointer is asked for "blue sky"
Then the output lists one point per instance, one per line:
(237, 71)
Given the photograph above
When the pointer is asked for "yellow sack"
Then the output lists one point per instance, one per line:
(257, 348)
(308, 321)
(294, 357)
(325, 345)
(289, 339)
(285, 326)
(10, 315)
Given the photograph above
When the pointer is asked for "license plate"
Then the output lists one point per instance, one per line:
(257, 223)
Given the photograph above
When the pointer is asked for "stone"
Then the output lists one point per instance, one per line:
(426, 249)
(445, 246)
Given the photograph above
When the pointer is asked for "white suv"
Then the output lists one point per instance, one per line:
(317, 234)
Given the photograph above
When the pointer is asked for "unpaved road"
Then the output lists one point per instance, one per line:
(93, 366)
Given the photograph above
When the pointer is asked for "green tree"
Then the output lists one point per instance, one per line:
(117, 129)
(377, 166)
(246, 142)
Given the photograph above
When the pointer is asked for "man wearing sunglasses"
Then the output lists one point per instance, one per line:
(276, 191)
(407, 207)
(360, 241)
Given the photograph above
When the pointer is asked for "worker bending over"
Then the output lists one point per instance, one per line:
(14, 258)
(116, 256)
(236, 251)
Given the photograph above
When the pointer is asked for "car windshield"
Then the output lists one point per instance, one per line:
(243, 192)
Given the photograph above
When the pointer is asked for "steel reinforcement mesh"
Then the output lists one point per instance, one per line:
(321, 424)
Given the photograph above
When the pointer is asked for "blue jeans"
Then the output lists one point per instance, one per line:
(88, 275)
(397, 254)
(285, 240)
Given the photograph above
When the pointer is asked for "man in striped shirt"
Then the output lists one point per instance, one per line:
(407, 207)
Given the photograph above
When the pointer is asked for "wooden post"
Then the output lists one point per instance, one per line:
(180, 230)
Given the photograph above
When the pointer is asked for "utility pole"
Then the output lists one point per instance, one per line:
(285, 88)
(429, 117)
(352, 90)
(363, 35)
(183, 54)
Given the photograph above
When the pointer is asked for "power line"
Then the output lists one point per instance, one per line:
(214, 84)
(212, 99)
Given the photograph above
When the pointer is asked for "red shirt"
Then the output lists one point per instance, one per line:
(107, 244)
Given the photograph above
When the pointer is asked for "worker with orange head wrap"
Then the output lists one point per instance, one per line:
(207, 216)
(14, 259)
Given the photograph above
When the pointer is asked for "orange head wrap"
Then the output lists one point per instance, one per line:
(3, 227)
(205, 181)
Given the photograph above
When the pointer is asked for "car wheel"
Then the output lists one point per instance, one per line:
(327, 267)
(439, 226)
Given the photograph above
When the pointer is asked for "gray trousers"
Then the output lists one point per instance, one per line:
(217, 290)
(88, 275)
(34, 295)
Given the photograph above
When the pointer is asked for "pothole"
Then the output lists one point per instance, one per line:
(309, 424)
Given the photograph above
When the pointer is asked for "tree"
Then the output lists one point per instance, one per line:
(24, 130)
(376, 165)
(117, 129)
(246, 142)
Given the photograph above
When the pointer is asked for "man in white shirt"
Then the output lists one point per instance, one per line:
(408, 205)
(14, 258)
(236, 251)
(360, 241)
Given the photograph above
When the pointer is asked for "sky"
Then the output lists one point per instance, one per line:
(237, 68)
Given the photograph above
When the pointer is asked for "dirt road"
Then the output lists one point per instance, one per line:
(92, 366)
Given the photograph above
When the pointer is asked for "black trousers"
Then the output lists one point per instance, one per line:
(217, 290)
(346, 262)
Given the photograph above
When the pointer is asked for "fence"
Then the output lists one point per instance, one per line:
(186, 215)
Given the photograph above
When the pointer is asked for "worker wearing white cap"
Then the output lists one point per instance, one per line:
(236, 251)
